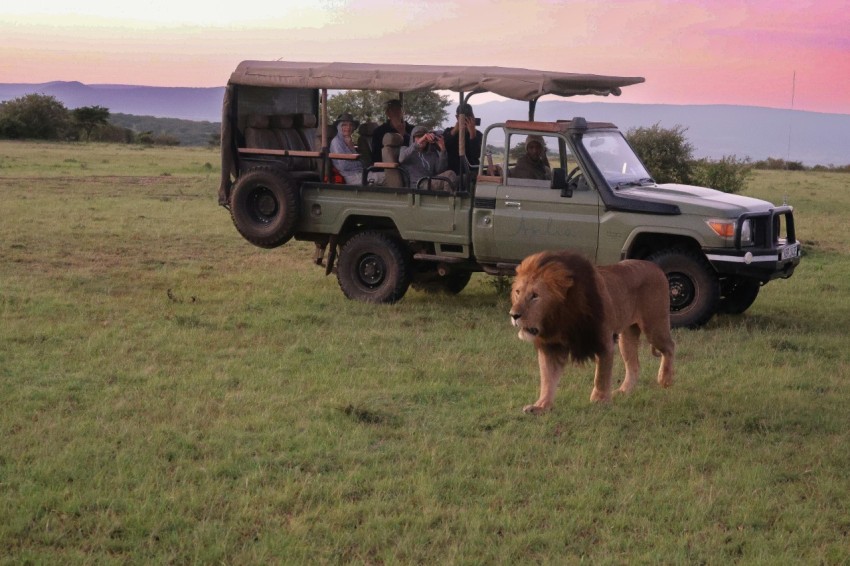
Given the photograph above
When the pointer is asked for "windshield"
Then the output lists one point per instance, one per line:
(615, 159)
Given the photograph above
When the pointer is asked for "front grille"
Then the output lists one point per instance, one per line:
(769, 228)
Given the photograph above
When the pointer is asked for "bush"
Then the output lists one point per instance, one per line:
(665, 152)
(34, 116)
(776, 164)
(113, 133)
(729, 175)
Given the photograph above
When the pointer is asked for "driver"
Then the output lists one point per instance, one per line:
(534, 164)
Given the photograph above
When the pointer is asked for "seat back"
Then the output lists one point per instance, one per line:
(288, 137)
(307, 128)
(364, 141)
(330, 133)
(389, 154)
(258, 135)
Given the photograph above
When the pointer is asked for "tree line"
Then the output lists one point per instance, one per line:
(43, 117)
(666, 152)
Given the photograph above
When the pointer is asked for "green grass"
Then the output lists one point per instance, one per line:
(172, 394)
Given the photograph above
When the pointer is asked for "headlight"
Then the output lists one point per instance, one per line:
(747, 233)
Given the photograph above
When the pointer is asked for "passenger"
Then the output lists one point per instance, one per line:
(395, 124)
(351, 170)
(426, 157)
(534, 164)
(473, 139)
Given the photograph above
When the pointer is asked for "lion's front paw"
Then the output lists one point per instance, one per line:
(534, 409)
(597, 396)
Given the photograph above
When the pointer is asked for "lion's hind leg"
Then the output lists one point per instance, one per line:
(662, 344)
(629, 342)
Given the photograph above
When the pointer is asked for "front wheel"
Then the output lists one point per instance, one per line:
(694, 287)
(373, 267)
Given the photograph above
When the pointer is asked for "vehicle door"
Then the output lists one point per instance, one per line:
(530, 215)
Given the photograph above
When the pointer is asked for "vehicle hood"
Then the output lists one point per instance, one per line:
(697, 200)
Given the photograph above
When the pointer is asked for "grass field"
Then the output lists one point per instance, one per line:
(172, 394)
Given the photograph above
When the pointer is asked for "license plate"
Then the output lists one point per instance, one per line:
(789, 251)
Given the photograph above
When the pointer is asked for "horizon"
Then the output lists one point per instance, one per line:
(490, 97)
(762, 54)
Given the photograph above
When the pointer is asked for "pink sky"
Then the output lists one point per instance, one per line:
(691, 52)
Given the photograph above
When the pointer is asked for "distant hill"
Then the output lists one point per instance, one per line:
(714, 130)
(161, 102)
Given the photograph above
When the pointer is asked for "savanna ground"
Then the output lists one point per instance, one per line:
(171, 394)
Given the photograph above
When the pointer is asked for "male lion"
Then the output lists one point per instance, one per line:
(573, 311)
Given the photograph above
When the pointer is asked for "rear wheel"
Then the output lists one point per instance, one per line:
(694, 287)
(374, 267)
(264, 207)
(737, 294)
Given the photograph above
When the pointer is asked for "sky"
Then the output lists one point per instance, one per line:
(778, 54)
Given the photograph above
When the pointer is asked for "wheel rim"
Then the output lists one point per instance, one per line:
(682, 291)
(371, 270)
(263, 205)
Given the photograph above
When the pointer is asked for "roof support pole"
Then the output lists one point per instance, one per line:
(461, 129)
(326, 162)
(324, 118)
(532, 105)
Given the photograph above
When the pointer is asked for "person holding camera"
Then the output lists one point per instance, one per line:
(473, 139)
(395, 124)
(426, 157)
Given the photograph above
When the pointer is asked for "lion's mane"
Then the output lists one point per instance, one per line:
(572, 327)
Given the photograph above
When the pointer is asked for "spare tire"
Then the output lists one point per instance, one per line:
(264, 206)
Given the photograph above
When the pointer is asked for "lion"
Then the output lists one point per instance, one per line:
(573, 311)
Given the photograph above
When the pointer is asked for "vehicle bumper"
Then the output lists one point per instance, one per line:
(776, 257)
(762, 264)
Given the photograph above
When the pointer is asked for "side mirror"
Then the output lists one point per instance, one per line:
(559, 182)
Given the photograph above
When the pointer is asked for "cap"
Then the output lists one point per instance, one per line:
(418, 131)
(464, 109)
(535, 139)
(346, 117)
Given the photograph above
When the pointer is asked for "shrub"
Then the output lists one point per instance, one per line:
(665, 151)
(774, 163)
(729, 175)
(113, 133)
(34, 116)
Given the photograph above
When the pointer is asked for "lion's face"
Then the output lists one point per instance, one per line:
(535, 294)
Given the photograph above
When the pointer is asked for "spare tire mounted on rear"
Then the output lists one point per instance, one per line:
(264, 206)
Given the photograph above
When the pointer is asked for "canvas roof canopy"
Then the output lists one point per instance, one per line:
(515, 83)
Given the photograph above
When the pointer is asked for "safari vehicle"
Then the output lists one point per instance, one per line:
(381, 237)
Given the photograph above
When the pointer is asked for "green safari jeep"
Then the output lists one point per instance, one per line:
(381, 236)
